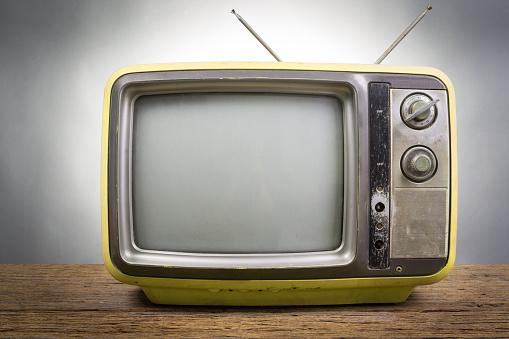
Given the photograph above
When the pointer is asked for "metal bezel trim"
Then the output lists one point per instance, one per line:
(357, 266)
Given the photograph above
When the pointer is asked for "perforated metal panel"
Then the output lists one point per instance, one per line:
(420, 227)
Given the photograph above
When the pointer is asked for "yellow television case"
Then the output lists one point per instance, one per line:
(393, 289)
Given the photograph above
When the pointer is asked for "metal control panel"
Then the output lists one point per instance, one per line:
(420, 188)
(409, 175)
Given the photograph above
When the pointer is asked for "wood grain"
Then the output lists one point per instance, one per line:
(85, 301)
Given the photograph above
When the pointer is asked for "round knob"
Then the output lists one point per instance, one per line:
(415, 107)
(419, 163)
(418, 111)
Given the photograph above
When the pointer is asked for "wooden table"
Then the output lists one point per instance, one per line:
(85, 301)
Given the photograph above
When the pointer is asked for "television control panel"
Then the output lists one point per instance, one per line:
(410, 175)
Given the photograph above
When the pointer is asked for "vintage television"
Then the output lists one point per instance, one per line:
(278, 183)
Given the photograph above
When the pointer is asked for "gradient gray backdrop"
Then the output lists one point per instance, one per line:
(56, 57)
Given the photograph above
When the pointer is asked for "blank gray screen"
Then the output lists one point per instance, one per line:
(237, 173)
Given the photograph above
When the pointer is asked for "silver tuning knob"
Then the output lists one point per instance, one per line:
(419, 111)
(419, 163)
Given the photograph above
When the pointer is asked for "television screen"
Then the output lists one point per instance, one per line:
(237, 173)
(278, 183)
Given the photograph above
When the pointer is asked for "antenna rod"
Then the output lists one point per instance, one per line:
(398, 40)
(259, 38)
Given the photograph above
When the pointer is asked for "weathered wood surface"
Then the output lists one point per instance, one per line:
(85, 301)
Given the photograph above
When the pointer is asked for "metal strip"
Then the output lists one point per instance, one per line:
(380, 169)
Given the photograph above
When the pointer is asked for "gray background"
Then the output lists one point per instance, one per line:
(56, 57)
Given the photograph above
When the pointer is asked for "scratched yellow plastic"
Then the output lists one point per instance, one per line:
(279, 292)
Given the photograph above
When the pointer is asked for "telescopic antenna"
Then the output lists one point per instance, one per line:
(398, 40)
(259, 38)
